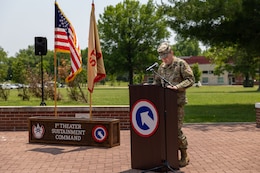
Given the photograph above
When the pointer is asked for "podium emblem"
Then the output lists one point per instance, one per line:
(144, 118)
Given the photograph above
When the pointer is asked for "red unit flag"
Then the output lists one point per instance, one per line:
(96, 69)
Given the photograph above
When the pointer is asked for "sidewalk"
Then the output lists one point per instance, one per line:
(213, 148)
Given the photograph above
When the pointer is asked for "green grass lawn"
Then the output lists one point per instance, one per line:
(221, 104)
(205, 104)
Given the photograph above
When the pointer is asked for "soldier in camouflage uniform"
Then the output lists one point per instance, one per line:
(180, 76)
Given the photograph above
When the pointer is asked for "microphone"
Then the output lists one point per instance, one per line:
(152, 66)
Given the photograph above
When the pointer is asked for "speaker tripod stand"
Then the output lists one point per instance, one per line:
(40, 49)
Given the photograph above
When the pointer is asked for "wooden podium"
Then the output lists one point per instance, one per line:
(154, 127)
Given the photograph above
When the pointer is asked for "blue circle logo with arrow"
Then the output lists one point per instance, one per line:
(144, 118)
(99, 133)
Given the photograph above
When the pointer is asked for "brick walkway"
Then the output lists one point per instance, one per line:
(213, 148)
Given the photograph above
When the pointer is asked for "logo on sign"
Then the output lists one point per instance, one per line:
(144, 118)
(99, 133)
(38, 131)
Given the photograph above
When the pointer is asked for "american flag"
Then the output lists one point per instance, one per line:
(66, 41)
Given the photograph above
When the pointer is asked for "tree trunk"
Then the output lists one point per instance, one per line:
(258, 77)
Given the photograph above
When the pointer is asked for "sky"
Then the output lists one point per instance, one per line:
(22, 20)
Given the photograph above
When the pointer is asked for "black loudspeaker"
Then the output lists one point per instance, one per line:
(40, 45)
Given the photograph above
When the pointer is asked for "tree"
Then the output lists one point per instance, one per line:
(130, 33)
(3, 73)
(196, 72)
(18, 71)
(28, 57)
(24, 59)
(217, 22)
(3, 66)
(233, 59)
(186, 47)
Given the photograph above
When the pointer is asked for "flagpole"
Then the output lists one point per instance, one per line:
(90, 105)
(90, 93)
(96, 69)
(55, 78)
(55, 86)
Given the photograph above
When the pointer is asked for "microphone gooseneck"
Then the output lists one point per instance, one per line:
(152, 66)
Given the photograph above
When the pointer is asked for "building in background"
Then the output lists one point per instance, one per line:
(207, 73)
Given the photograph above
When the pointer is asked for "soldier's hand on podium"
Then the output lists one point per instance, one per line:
(172, 87)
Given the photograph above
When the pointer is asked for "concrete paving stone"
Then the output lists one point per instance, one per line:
(213, 148)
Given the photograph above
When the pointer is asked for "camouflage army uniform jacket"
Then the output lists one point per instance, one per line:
(179, 74)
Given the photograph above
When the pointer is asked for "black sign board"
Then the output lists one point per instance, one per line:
(74, 131)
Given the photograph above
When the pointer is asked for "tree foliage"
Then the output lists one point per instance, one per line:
(234, 60)
(221, 24)
(186, 47)
(130, 33)
(3, 66)
(196, 72)
(217, 22)
(25, 68)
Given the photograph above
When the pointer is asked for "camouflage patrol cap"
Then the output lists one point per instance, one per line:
(164, 49)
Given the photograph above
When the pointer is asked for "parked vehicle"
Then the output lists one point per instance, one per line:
(10, 86)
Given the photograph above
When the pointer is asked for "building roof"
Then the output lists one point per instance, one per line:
(196, 59)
